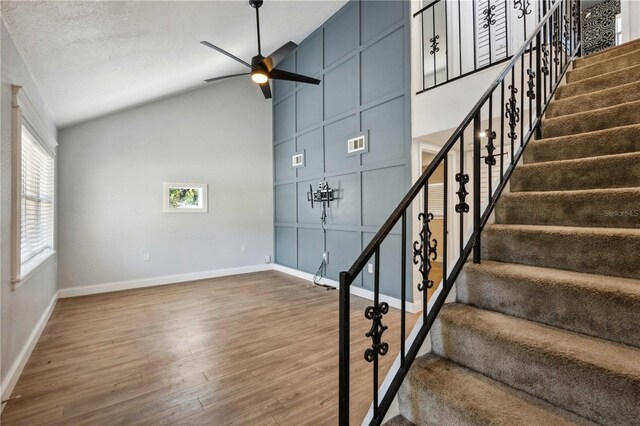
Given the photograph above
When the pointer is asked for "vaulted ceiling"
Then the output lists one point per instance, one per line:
(90, 58)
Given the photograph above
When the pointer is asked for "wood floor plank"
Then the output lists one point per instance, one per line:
(255, 349)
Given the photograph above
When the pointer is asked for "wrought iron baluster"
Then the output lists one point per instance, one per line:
(512, 114)
(523, 6)
(531, 93)
(489, 16)
(490, 159)
(434, 45)
(463, 180)
(545, 59)
(375, 314)
(425, 250)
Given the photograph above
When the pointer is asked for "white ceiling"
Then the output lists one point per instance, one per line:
(90, 58)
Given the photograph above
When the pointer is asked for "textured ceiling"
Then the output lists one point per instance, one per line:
(91, 58)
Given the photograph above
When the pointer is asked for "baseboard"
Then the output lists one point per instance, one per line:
(163, 280)
(355, 290)
(9, 382)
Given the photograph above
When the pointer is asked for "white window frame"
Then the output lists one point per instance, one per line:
(25, 115)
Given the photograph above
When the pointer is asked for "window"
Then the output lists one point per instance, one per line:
(36, 202)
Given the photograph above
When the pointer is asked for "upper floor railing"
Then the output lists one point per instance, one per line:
(471, 170)
(461, 37)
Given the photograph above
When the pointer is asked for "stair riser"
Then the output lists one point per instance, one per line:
(628, 75)
(613, 209)
(604, 56)
(621, 115)
(439, 392)
(592, 253)
(606, 142)
(584, 390)
(604, 172)
(614, 64)
(558, 303)
(597, 100)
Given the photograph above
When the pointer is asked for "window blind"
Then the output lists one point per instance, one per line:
(36, 228)
(497, 32)
(436, 199)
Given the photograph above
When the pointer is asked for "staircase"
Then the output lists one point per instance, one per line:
(546, 330)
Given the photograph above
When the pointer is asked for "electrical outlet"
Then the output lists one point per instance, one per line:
(243, 248)
(267, 258)
(146, 257)
(370, 268)
(325, 257)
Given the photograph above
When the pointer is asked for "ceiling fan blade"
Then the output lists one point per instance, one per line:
(224, 52)
(276, 57)
(266, 90)
(286, 75)
(209, 80)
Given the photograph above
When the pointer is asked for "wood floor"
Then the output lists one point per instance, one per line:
(255, 349)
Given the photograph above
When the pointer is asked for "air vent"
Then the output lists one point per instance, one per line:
(297, 160)
(356, 144)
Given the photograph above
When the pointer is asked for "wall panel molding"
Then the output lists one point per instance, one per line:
(355, 97)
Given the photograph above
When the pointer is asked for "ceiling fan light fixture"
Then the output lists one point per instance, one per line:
(259, 77)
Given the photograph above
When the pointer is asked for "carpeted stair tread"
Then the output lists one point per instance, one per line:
(398, 421)
(617, 140)
(621, 61)
(598, 119)
(440, 392)
(607, 54)
(597, 305)
(607, 171)
(595, 100)
(604, 251)
(607, 208)
(591, 377)
(593, 84)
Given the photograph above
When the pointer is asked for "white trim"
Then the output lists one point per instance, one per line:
(15, 370)
(32, 266)
(163, 280)
(35, 121)
(412, 307)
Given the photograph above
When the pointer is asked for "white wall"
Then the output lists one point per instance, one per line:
(110, 187)
(630, 11)
(22, 309)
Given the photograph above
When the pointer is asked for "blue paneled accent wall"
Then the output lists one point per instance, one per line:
(362, 56)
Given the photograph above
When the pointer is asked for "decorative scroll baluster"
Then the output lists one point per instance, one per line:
(545, 59)
(488, 16)
(531, 93)
(490, 159)
(556, 44)
(434, 45)
(523, 6)
(378, 347)
(462, 206)
(431, 252)
(575, 14)
(513, 113)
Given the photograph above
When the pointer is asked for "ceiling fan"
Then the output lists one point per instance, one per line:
(264, 69)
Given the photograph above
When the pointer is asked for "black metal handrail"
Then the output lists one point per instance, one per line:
(450, 52)
(545, 55)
